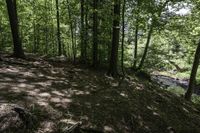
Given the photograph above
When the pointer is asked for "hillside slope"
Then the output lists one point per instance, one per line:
(61, 95)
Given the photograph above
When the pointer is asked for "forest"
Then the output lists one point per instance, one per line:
(99, 66)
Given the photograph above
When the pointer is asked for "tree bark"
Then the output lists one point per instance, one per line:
(196, 62)
(136, 44)
(113, 71)
(58, 29)
(146, 47)
(86, 36)
(34, 37)
(95, 28)
(83, 55)
(72, 31)
(12, 12)
(46, 28)
(123, 35)
(1, 35)
(151, 32)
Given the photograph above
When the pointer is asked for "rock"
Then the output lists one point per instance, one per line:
(15, 119)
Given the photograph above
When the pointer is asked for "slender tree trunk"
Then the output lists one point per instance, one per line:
(1, 35)
(83, 56)
(72, 31)
(37, 38)
(15, 9)
(75, 41)
(58, 29)
(86, 37)
(123, 35)
(12, 12)
(150, 34)
(136, 44)
(34, 37)
(46, 28)
(146, 47)
(136, 36)
(196, 62)
(113, 71)
(95, 28)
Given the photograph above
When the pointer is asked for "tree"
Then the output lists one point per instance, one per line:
(83, 45)
(95, 36)
(13, 19)
(112, 70)
(146, 46)
(58, 28)
(123, 35)
(196, 62)
(136, 44)
(72, 32)
(155, 20)
(86, 36)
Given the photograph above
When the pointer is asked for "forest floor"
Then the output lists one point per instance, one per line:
(61, 95)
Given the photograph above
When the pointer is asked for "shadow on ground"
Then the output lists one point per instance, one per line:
(61, 94)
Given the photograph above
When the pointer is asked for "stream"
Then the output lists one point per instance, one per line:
(166, 82)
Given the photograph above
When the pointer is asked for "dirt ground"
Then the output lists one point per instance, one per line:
(61, 95)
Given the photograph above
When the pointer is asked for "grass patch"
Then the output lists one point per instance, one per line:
(181, 92)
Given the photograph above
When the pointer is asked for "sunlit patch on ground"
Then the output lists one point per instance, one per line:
(63, 94)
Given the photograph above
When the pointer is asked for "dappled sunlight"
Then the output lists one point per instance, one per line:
(81, 92)
(156, 114)
(47, 126)
(186, 110)
(57, 93)
(44, 95)
(152, 108)
(108, 129)
(33, 84)
(42, 103)
(43, 84)
(124, 95)
(69, 95)
(68, 121)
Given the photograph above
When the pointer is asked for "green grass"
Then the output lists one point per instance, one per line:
(180, 92)
(177, 90)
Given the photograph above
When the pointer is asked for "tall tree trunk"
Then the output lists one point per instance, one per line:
(113, 71)
(95, 28)
(1, 35)
(46, 28)
(136, 44)
(12, 12)
(58, 29)
(136, 36)
(146, 47)
(86, 37)
(123, 35)
(34, 37)
(150, 33)
(72, 31)
(75, 39)
(196, 62)
(38, 38)
(83, 55)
